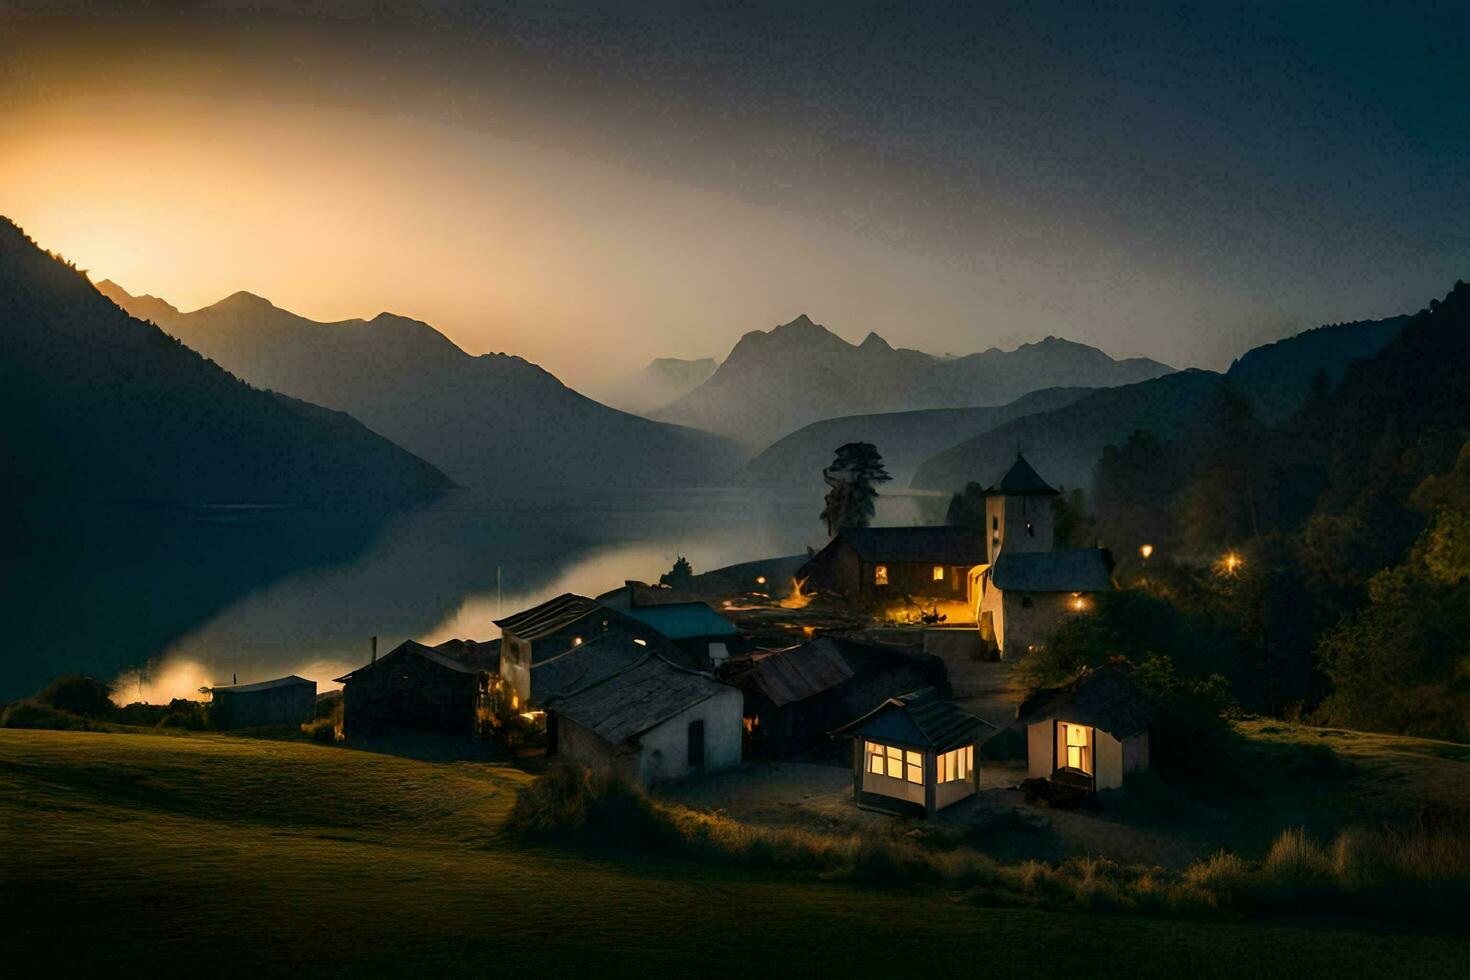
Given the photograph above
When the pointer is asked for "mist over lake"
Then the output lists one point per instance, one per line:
(168, 601)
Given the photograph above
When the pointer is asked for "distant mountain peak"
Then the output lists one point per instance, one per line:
(243, 300)
(874, 342)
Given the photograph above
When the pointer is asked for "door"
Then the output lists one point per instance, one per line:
(696, 744)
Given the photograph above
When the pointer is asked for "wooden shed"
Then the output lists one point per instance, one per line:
(444, 689)
(916, 754)
(649, 723)
(1089, 733)
(795, 697)
(283, 701)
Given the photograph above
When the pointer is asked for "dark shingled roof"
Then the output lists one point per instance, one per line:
(1022, 481)
(584, 664)
(550, 617)
(636, 699)
(1059, 570)
(262, 685)
(461, 656)
(1104, 698)
(938, 543)
(683, 620)
(923, 719)
(796, 674)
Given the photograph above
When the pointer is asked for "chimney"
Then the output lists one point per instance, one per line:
(375, 650)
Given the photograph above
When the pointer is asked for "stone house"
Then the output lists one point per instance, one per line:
(1091, 732)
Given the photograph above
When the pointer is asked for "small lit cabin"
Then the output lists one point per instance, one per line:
(282, 701)
(1090, 733)
(916, 754)
(651, 722)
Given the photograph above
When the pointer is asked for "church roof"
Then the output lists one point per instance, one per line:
(1059, 570)
(939, 543)
(1022, 481)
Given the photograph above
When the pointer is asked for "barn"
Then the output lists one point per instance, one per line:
(533, 636)
(651, 722)
(283, 701)
(445, 689)
(1089, 733)
(795, 697)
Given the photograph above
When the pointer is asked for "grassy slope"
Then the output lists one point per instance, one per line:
(130, 852)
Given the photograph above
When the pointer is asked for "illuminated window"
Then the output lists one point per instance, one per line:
(1030, 530)
(955, 766)
(880, 575)
(895, 763)
(939, 573)
(1076, 745)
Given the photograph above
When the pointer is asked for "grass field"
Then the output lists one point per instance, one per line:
(126, 854)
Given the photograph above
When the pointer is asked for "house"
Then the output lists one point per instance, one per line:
(1007, 587)
(283, 701)
(584, 664)
(795, 697)
(552, 628)
(691, 625)
(1089, 733)
(874, 565)
(445, 688)
(915, 754)
(651, 722)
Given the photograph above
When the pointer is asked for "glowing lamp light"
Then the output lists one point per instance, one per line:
(1146, 551)
(641, 643)
(1231, 563)
(576, 641)
(1079, 602)
(760, 580)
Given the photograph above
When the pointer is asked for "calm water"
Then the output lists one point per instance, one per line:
(167, 603)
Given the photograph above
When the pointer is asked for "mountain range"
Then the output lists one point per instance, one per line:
(775, 382)
(1065, 444)
(495, 421)
(98, 406)
(663, 380)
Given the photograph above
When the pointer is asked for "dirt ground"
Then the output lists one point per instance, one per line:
(997, 821)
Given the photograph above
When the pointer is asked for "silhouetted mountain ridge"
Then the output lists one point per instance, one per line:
(493, 420)
(99, 406)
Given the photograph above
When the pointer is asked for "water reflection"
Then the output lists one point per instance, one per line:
(169, 604)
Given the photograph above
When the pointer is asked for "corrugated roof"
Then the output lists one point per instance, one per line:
(1060, 570)
(636, 699)
(923, 719)
(262, 685)
(584, 664)
(683, 620)
(1021, 480)
(550, 616)
(461, 656)
(1104, 697)
(941, 544)
(798, 673)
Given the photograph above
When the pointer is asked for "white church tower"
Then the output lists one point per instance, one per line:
(1018, 513)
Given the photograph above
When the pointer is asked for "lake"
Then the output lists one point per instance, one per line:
(167, 602)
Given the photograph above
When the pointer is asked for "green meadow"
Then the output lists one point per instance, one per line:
(129, 854)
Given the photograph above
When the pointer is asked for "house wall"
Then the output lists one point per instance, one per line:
(1021, 625)
(288, 705)
(1041, 749)
(1107, 760)
(915, 579)
(948, 794)
(608, 761)
(664, 750)
(898, 789)
(515, 665)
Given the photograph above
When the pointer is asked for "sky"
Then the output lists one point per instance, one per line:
(595, 185)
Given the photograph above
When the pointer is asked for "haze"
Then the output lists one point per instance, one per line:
(606, 186)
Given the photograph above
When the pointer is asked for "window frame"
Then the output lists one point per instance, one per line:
(880, 574)
(893, 762)
(939, 574)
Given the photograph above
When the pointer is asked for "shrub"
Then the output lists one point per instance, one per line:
(79, 694)
(32, 714)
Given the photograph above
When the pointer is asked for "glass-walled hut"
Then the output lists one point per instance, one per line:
(916, 754)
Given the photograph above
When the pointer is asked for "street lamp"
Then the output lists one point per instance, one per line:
(1146, 551)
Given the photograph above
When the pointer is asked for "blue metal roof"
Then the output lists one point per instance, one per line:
(683, 620)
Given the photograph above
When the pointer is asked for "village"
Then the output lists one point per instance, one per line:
(878, 668)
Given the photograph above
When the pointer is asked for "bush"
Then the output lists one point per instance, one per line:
(32, 714)
(79, 694)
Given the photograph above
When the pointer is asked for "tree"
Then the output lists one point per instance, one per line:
(851, 477)
(681, 576)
